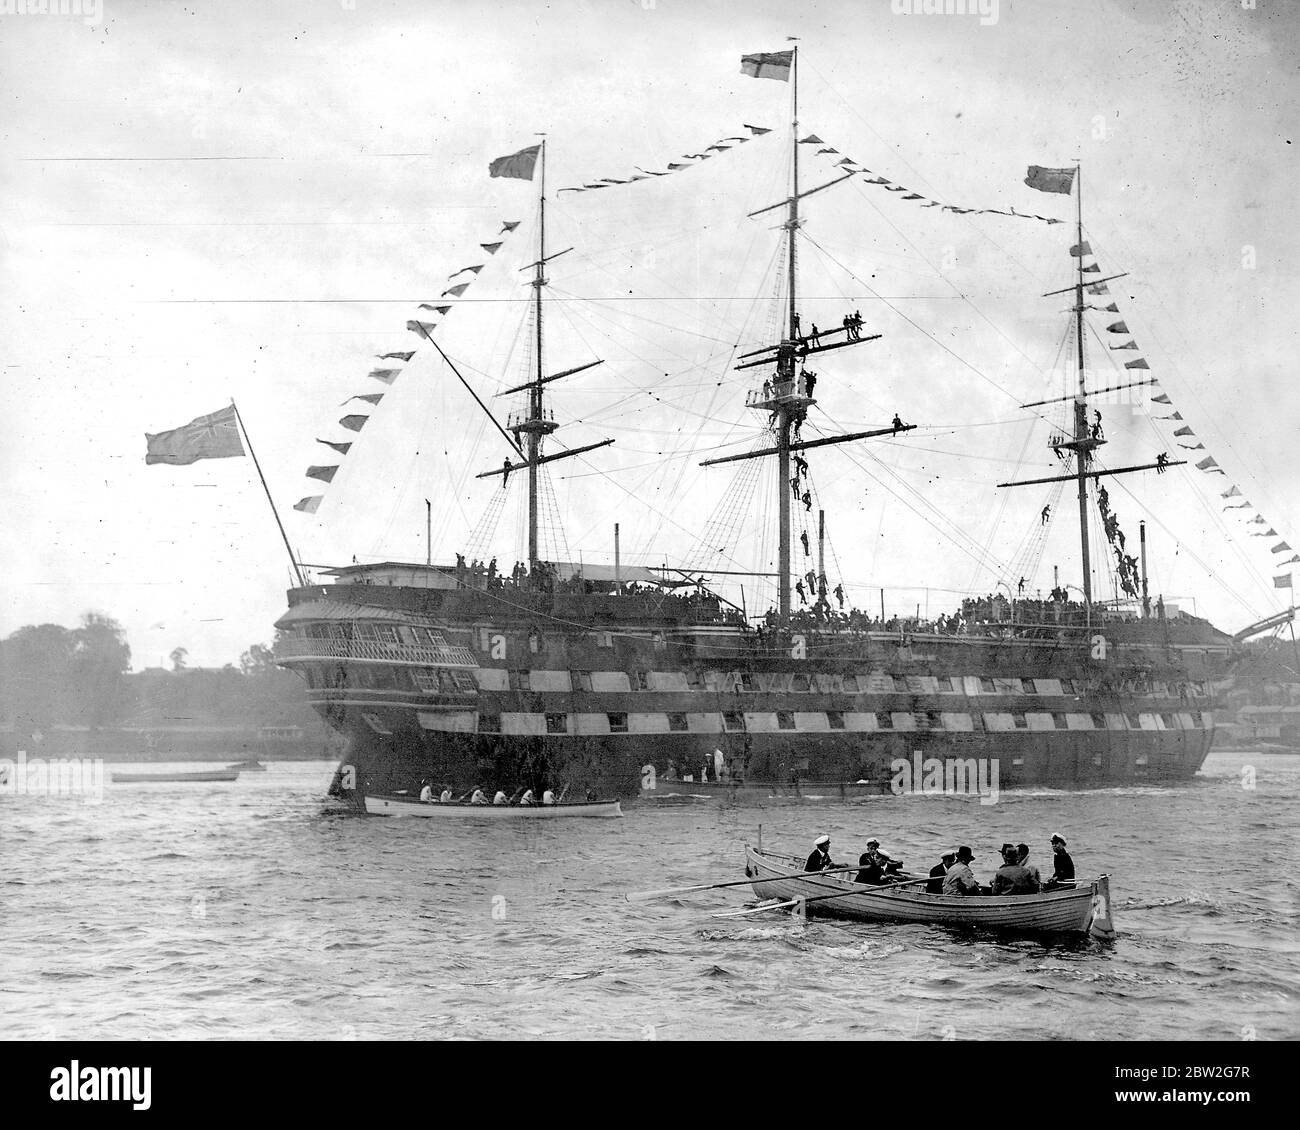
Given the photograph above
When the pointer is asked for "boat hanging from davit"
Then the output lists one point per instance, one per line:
(618, 680)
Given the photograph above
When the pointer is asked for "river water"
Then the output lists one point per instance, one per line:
(260, 910)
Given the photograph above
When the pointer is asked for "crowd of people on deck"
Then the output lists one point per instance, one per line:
(952, 875)
(684, 595)
(521, 797)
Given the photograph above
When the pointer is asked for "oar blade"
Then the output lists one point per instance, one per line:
(758, 909)
(668, 892)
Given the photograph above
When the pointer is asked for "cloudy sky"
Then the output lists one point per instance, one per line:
(248, 201)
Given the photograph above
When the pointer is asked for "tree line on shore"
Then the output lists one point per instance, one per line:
(52, 675)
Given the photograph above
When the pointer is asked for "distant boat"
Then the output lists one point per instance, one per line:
(402, 806)
(1081, 910)
(248, 766)
(230, 774)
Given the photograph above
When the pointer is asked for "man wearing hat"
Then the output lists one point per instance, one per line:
(1063, 865)
(1011, 877)
(938, 871)
(960, 880)
(872, 862)
(820, 859)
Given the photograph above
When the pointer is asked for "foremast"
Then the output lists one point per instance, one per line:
(1084, 440)
(535, 424)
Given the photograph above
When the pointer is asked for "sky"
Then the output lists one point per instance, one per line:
(248, 201)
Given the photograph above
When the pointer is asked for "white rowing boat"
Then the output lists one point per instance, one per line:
(1084, 909)
(405, 806)
(183, 775)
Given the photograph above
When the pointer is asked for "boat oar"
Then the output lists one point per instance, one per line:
(670, 892)
(869, 890)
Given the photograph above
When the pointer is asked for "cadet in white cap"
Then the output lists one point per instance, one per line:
(820, 859)
(1062, 864)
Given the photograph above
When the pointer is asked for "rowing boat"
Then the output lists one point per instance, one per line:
(1084, 909)
(404, 806)
(184, 775)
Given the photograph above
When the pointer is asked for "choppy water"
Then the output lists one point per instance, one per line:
(259, 910)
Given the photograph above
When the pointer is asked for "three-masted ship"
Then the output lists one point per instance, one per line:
(552, 676)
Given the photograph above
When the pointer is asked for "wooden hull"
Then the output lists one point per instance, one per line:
(1080, 911)
(402, 806)
(174, 778)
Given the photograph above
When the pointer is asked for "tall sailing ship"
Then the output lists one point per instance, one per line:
(555, 675)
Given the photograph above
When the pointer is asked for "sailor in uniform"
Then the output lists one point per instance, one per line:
(820, 859)
(1063, 865)
(873, 863)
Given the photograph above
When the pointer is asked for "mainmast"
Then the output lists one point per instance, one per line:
(786, 394)
(785, 364)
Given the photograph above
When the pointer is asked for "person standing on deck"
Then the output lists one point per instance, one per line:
(938, 871)
(820, 859)
(960, 879)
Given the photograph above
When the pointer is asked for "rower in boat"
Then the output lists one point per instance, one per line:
(527, 800)
(548, 797)
(1011, 877)
(478, 797)
(500, 798)
(938, 871)
(872, 864)
(1022, 854)
(820, 859)
(1063, 865)
(446, 797)
(426, 793)
(960, 879)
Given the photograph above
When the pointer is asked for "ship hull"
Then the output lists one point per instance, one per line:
(637, 767)
(612, 696)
